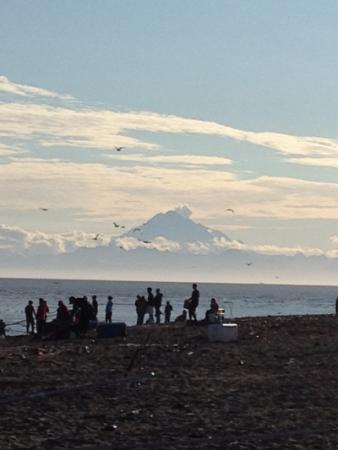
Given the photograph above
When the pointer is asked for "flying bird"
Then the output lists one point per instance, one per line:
(118, 149)
(146, 242)
(249, 264)
(96, 237)
(44, 209)
(116, 225)
(230, 210)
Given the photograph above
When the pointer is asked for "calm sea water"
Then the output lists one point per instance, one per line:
(239, 300)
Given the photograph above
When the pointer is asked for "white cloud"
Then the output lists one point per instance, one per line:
(10, 150)
(184, 211)
(325, 162)
(133, 193)
(160, 243)
(334, 239)
(25, 90)
(267, 249)
(105, 129)
(21, 241)
(188, 161)
(198, 248)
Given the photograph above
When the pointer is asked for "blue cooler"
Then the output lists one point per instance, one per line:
(109, 330)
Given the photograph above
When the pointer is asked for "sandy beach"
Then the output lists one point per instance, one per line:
(167, 387)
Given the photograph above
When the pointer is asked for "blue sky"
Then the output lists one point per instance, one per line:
(158, 77)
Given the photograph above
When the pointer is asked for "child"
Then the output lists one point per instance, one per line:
(167, 312)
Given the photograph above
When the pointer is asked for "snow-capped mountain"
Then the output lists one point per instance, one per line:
(170, 246)
(175, 225)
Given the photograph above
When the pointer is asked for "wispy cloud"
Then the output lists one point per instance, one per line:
(189, 161)
(319, 162)
(103, 129)
(24, 90)
(10, 150)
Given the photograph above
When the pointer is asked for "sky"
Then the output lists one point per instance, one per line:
(226, 107)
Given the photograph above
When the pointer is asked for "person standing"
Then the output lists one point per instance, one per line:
(41, 317)
(158, 304)
(95, 306)
(109, 309)
(62, 313)
(151, 304)
(30, 317)
(141, 307)
(193, 302)
(167, 312)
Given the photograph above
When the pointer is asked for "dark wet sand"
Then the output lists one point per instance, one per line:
(167, 387)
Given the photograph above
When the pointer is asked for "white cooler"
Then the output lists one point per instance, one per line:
(223, 332)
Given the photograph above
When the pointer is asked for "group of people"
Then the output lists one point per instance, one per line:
(151, 306)
(74, 317)
(80, 312)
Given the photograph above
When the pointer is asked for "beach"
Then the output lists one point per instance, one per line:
(167, 387)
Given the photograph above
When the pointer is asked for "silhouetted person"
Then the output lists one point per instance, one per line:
(95, 306)
(193, 302)
(41, 317)
(109, 309)
(182, 317)
(62, 313)
(151, 304)
(84, 313)
(167, 312)
(63, 321)
(30, 317)
(141, 308)
(158, 303)
(2, 328)
(337, 306)
(211, 314)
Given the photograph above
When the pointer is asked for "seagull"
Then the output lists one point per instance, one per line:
(249, 264)
(146, 242)
(230, 210)
(96, 237)
(44, 209)
(118, 149)
(116, 225)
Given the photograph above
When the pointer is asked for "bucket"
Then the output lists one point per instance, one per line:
(223, 332)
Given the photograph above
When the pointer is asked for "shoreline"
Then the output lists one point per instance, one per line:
(167, 387)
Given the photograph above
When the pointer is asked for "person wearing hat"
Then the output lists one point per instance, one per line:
(109, 309)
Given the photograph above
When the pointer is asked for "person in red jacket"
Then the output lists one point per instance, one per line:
(41, 316)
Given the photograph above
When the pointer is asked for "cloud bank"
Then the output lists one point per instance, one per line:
(22, 242)
(103, 129)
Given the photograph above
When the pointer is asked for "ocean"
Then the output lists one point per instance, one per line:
(239, 300)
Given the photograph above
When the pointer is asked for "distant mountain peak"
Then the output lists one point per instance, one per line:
(175, 225)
